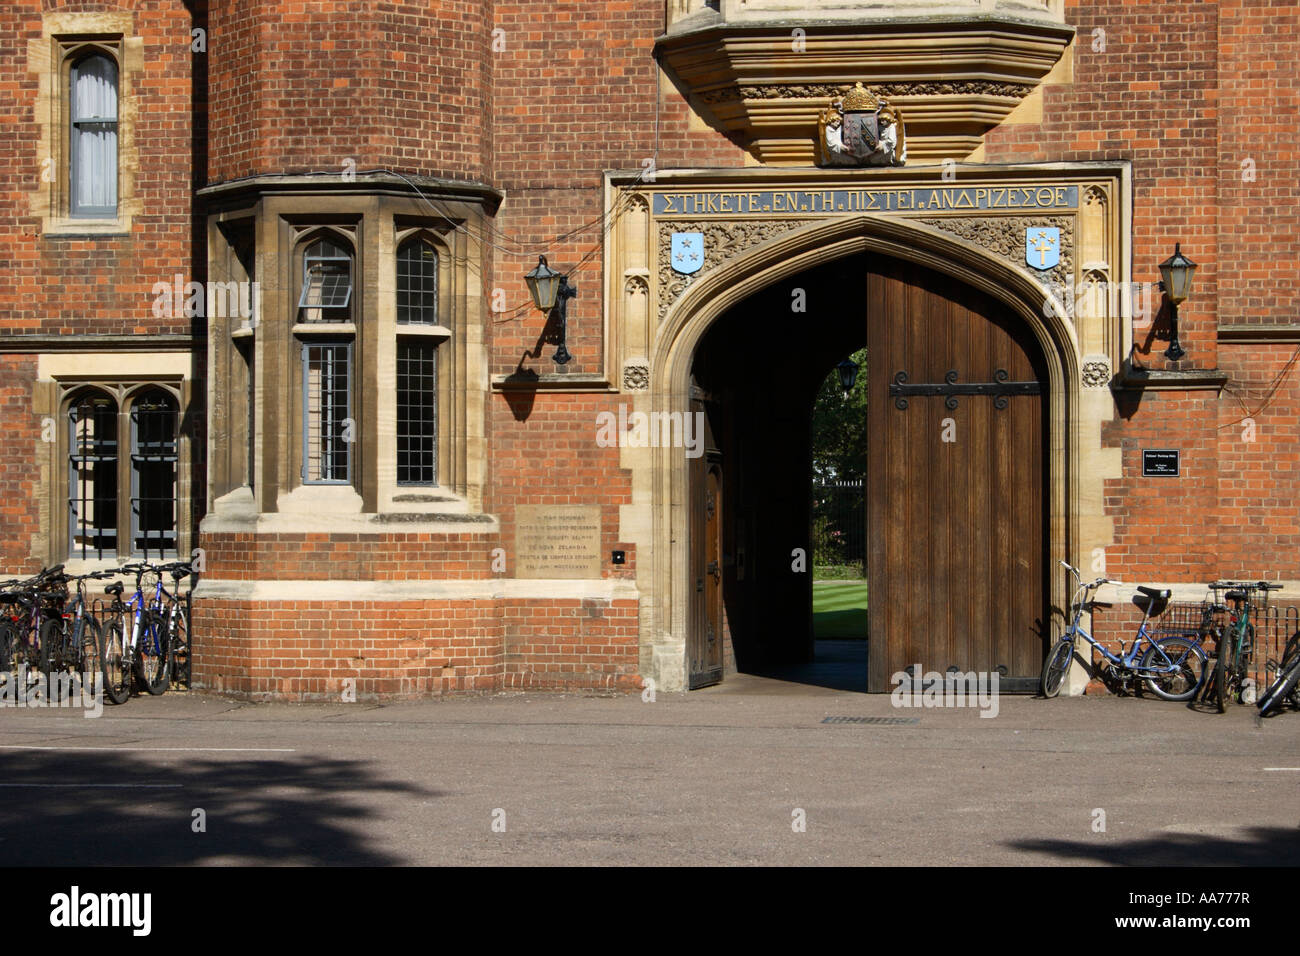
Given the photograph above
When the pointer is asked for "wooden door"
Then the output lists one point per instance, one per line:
(956, 505)
(704, 652)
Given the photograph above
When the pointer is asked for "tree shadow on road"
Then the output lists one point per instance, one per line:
(1259, 846)
(281, 809)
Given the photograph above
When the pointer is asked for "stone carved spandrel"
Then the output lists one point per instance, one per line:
(1004, 236)
(722, 241)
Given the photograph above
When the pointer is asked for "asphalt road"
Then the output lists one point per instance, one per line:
(720, 776)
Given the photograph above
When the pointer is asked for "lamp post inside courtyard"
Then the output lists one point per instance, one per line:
(848, 370)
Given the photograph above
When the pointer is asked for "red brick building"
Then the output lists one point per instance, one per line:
(267, 307)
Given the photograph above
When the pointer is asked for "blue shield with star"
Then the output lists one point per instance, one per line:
(687, 252)
(1042, 247)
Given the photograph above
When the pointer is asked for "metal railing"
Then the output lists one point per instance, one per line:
(1273, 628)
(839, 525)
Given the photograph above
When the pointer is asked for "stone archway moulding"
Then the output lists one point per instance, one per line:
(971, 249)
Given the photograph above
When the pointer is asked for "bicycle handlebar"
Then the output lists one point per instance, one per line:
(1090, 584)
(1073, 570)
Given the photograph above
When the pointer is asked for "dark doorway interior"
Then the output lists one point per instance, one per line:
(955, 488)
(758, 370)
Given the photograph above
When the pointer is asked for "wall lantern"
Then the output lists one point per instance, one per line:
(1176, 275)
(848, 370)
(551, 290)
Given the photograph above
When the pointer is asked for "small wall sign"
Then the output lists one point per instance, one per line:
(1160, 463)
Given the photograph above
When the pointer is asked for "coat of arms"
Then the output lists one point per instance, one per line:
(860, 129)
(1042, 247)
(687, 252)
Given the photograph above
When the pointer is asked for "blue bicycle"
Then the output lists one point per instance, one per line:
(135, 639)
(1173, 667)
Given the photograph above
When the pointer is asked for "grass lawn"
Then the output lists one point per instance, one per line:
(840, 610)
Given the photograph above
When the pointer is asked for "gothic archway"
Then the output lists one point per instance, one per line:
(665, 622)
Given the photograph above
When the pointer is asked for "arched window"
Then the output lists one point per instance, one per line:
(325, 367)
(417, 283)
(93, 136)
(326, 282)
(92, 476)
(154, 454)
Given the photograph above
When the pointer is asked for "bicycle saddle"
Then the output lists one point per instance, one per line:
(1236, 595)
(178, 573)
(114, 589)
(1155, 593)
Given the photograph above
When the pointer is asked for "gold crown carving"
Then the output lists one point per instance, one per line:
(860, 100)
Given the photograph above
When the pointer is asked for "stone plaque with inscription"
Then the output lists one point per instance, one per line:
(557, 541)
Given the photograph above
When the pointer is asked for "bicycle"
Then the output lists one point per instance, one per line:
(74, 645)
(1286, 685)
(33, 630)
(1172, 667)
(134, 643)
(166, 608)
(12, 625)
(1236, 646)
(176, 622)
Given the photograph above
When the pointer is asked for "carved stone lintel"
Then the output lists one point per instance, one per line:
(809, 91)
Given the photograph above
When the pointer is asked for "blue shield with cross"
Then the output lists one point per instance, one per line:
(1042, 247)
(687, 252)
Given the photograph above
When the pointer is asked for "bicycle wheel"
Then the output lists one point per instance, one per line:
(1245, 683)
(29, 646)
(153, 662)
(50, 652)
(180, 645)
(1291, 653)
(1221, 684)
(1188, 658)
(9, 646)
(88, 643)
(1056, 666)
(1220, 679)
(1207, 688)
(112, 659)
(1289, 656)
(1281, 687)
